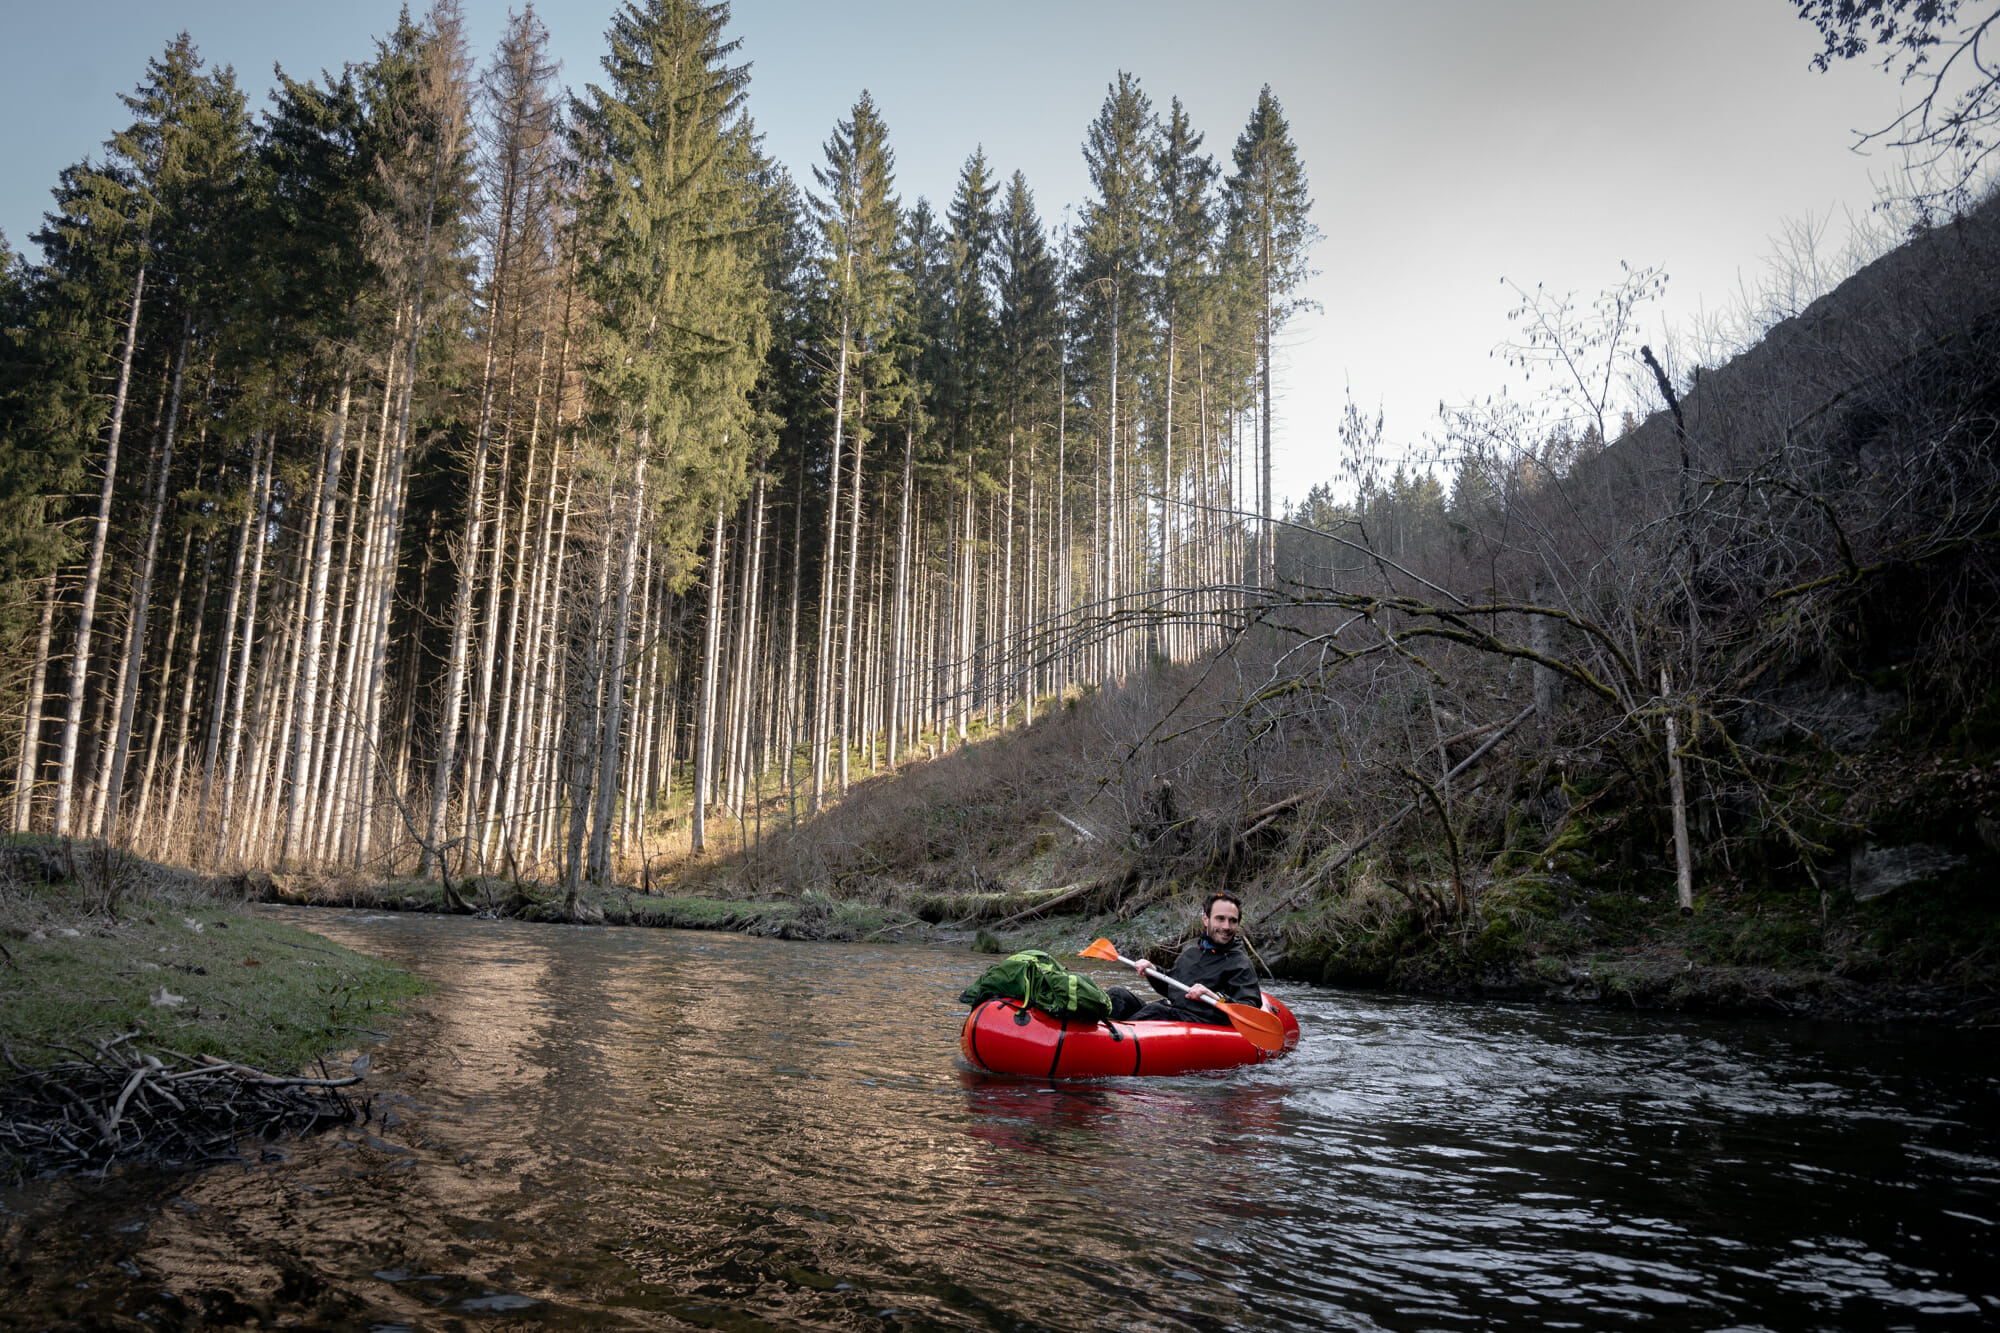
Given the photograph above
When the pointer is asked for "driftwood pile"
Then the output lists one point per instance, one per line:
(121, 1104)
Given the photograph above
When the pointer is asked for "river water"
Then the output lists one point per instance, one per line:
(606, 1128)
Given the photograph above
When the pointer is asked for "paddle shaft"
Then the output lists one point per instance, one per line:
(1262, 1029)
(1150, 971)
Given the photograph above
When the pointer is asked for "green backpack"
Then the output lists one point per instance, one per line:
(1040, 982)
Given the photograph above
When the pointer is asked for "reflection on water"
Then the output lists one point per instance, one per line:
(593, 1128)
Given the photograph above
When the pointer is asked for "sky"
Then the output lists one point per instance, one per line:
(1453, 147)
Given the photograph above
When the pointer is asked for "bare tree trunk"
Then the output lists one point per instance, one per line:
(218, 701)
(1547, 685)
(323, 778)
(142, 596)
(534, 735)
(729, 687)
(259, 504)
(451, 123)
(1677, 790)
(1113, 532)
(556, 695)
(791, 694)
(1061, 585)
(1267, 542)
(747, 669)
(584, 694)
(80, 662)
(900, 662)
(318, 567)
(526, 588)
(1168, 631)
(853, 576)
(705, 710)
(968, 603)
(623, 805)
(340, 830)
(452, 703)
(614, 695)
(538, 734)
(277, 687)
(823, 665)
(871, 642)
(31, 717)
(1004, 684)
(1206, 571)
(641, 789)
(983, 647)
(387, 543)
(185, 717)
(150, 769)
(1029, 649)
(482, 694)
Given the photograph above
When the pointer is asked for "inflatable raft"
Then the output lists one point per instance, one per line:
(1001, 1037)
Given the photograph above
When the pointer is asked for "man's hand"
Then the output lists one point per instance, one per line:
(1203, 993)
(1142, 967)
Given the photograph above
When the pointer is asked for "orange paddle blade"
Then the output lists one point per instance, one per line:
(1262, 1029)
(1100, 948)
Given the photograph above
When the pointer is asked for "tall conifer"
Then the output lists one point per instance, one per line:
(1026, 366)
(673, 270)
(1270, 215)
(858, 215)
(1184, 229)
(1118, 151)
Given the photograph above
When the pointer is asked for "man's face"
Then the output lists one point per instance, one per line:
(1221, 922)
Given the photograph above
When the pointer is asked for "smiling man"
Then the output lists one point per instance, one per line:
(1216, 966)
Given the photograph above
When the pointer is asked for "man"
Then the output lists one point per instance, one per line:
(1216, 966)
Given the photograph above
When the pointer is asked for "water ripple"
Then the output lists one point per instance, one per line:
(612, 1128)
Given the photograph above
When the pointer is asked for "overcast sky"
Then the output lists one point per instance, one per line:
(1449, 143)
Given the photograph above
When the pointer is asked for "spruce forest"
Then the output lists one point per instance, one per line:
(439, 473)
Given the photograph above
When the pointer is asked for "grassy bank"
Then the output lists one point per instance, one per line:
(1567, 879)
(97, 946)
(1017, 841)
(810, 915)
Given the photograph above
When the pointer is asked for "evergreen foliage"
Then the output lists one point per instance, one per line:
(481, 452)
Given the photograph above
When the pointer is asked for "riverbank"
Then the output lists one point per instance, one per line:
(1557, 927)
(151, 1016)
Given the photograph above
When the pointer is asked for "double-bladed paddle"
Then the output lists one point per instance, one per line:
(1260, 1028)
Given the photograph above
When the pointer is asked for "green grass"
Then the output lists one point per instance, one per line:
(98, 944)
(251, 991)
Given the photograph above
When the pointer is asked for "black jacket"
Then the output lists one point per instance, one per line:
(1227, 972)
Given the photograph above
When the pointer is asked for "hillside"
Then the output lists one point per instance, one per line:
(1449, 764)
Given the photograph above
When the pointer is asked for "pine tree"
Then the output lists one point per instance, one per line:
(924, 342)
(1270, 218)
(1028, 340)
(973, 229)
(199, 203)
(106, 224)
(1183, 233)
(1112, 271)
(668, 207)
(858, 217)
(520, 159)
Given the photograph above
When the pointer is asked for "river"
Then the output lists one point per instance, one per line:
(613, 1128)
